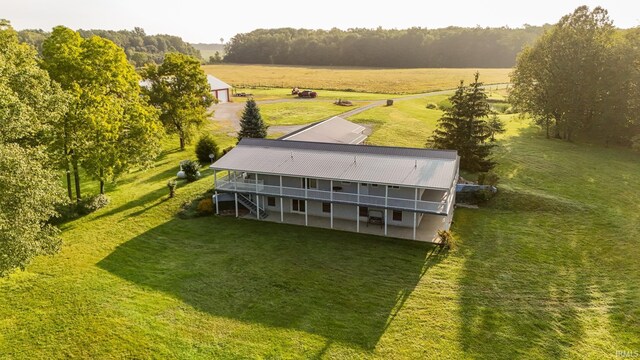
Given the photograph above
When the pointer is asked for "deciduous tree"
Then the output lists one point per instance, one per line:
(180, 90)
(30, 106)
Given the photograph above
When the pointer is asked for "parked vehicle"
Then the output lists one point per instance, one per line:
(307, 94)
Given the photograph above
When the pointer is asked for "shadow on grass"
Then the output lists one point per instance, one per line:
(543, 262)
(342, 286)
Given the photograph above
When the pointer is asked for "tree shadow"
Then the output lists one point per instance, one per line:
(342, 286)
(542, 258)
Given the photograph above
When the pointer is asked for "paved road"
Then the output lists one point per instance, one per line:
(228, 114)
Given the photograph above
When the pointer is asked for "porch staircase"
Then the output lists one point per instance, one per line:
(246, 202)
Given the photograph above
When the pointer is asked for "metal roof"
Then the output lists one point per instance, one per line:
(333, 130)
(424, 168)
(217, 84)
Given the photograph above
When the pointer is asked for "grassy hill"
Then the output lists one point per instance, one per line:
(548, 269)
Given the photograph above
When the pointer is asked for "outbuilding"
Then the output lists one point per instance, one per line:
(220, 89)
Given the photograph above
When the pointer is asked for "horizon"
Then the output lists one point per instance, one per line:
(195, 27)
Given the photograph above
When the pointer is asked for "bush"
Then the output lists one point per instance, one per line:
(206, 145)
(172, 184)
(205, 207)
(190, 169)
(488, 178)
(93, 203)
(444, 105)
(447, 239)
(432, 106)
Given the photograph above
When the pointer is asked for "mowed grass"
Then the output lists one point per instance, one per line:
(548, 269)
(367, 80)
(301, 112)
(407, 123)
(259, 94)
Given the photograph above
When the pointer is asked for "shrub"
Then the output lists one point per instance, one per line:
(205, 207)
(226, 150)
(172, 184)
(444, 105)
(447, 239)
(190, 169)
(206, 145)
(93, 203)
(488, 178)
(432, 106)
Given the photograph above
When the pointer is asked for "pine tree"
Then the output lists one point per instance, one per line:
(495, 126)
(463, 128)
(251, 124)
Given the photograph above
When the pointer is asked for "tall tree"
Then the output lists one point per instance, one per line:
(30, 106)
(579, 78)
(251, 123)
(106, 108)
(463, 127)
(180, 90)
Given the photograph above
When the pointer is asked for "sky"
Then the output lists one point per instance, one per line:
(198, 21)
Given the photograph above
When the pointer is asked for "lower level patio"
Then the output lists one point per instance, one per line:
(427, 229)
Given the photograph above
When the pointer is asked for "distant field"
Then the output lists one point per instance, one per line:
(207, 50)
(370, 80)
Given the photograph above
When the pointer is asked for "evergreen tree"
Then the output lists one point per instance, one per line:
(495, 126)
(251, 124)
(463, 128)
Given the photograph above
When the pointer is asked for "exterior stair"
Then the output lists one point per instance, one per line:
(246, 202)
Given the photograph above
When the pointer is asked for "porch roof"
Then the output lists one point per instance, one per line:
(410, 167)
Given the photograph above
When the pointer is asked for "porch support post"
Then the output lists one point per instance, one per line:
(217, 208)
(281, 202)
(215, 179)
(257, 200)
(358, 208)
(386, 203)
(306, 213)
(236, 196)
(415, 214)
(331, 202)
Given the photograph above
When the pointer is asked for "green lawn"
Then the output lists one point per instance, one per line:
(285, 93)
(300, 113)
(549, 269)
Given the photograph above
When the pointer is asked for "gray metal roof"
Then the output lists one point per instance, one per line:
(217, 84)
(333, 130)
(424, 168)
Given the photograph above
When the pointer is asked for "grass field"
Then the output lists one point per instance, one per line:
(370, 80)
(300, 113)
(548, 269)
(285, 93)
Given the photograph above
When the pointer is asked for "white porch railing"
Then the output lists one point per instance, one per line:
(239, 184)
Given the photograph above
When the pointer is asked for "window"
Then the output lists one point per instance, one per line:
(298, 205)
(271, 201)
(397, 215)
(346, 182)
(394, 187)
(364, 184)
(374, 185)
(364, 211)
(309, 183)
(326, 207)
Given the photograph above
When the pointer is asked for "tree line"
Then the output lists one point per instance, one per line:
(141, 49)
(77, 108)
(581, 79)
(452, 47)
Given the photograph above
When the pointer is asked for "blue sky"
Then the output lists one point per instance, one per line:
(208, 21)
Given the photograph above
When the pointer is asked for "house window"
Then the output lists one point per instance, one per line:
(364, 211)
(346, 182)
(374, 185)
(394, 187)
(298, 205)
(397, 215)
(271, 201)
(326, 207)
(309, 183)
